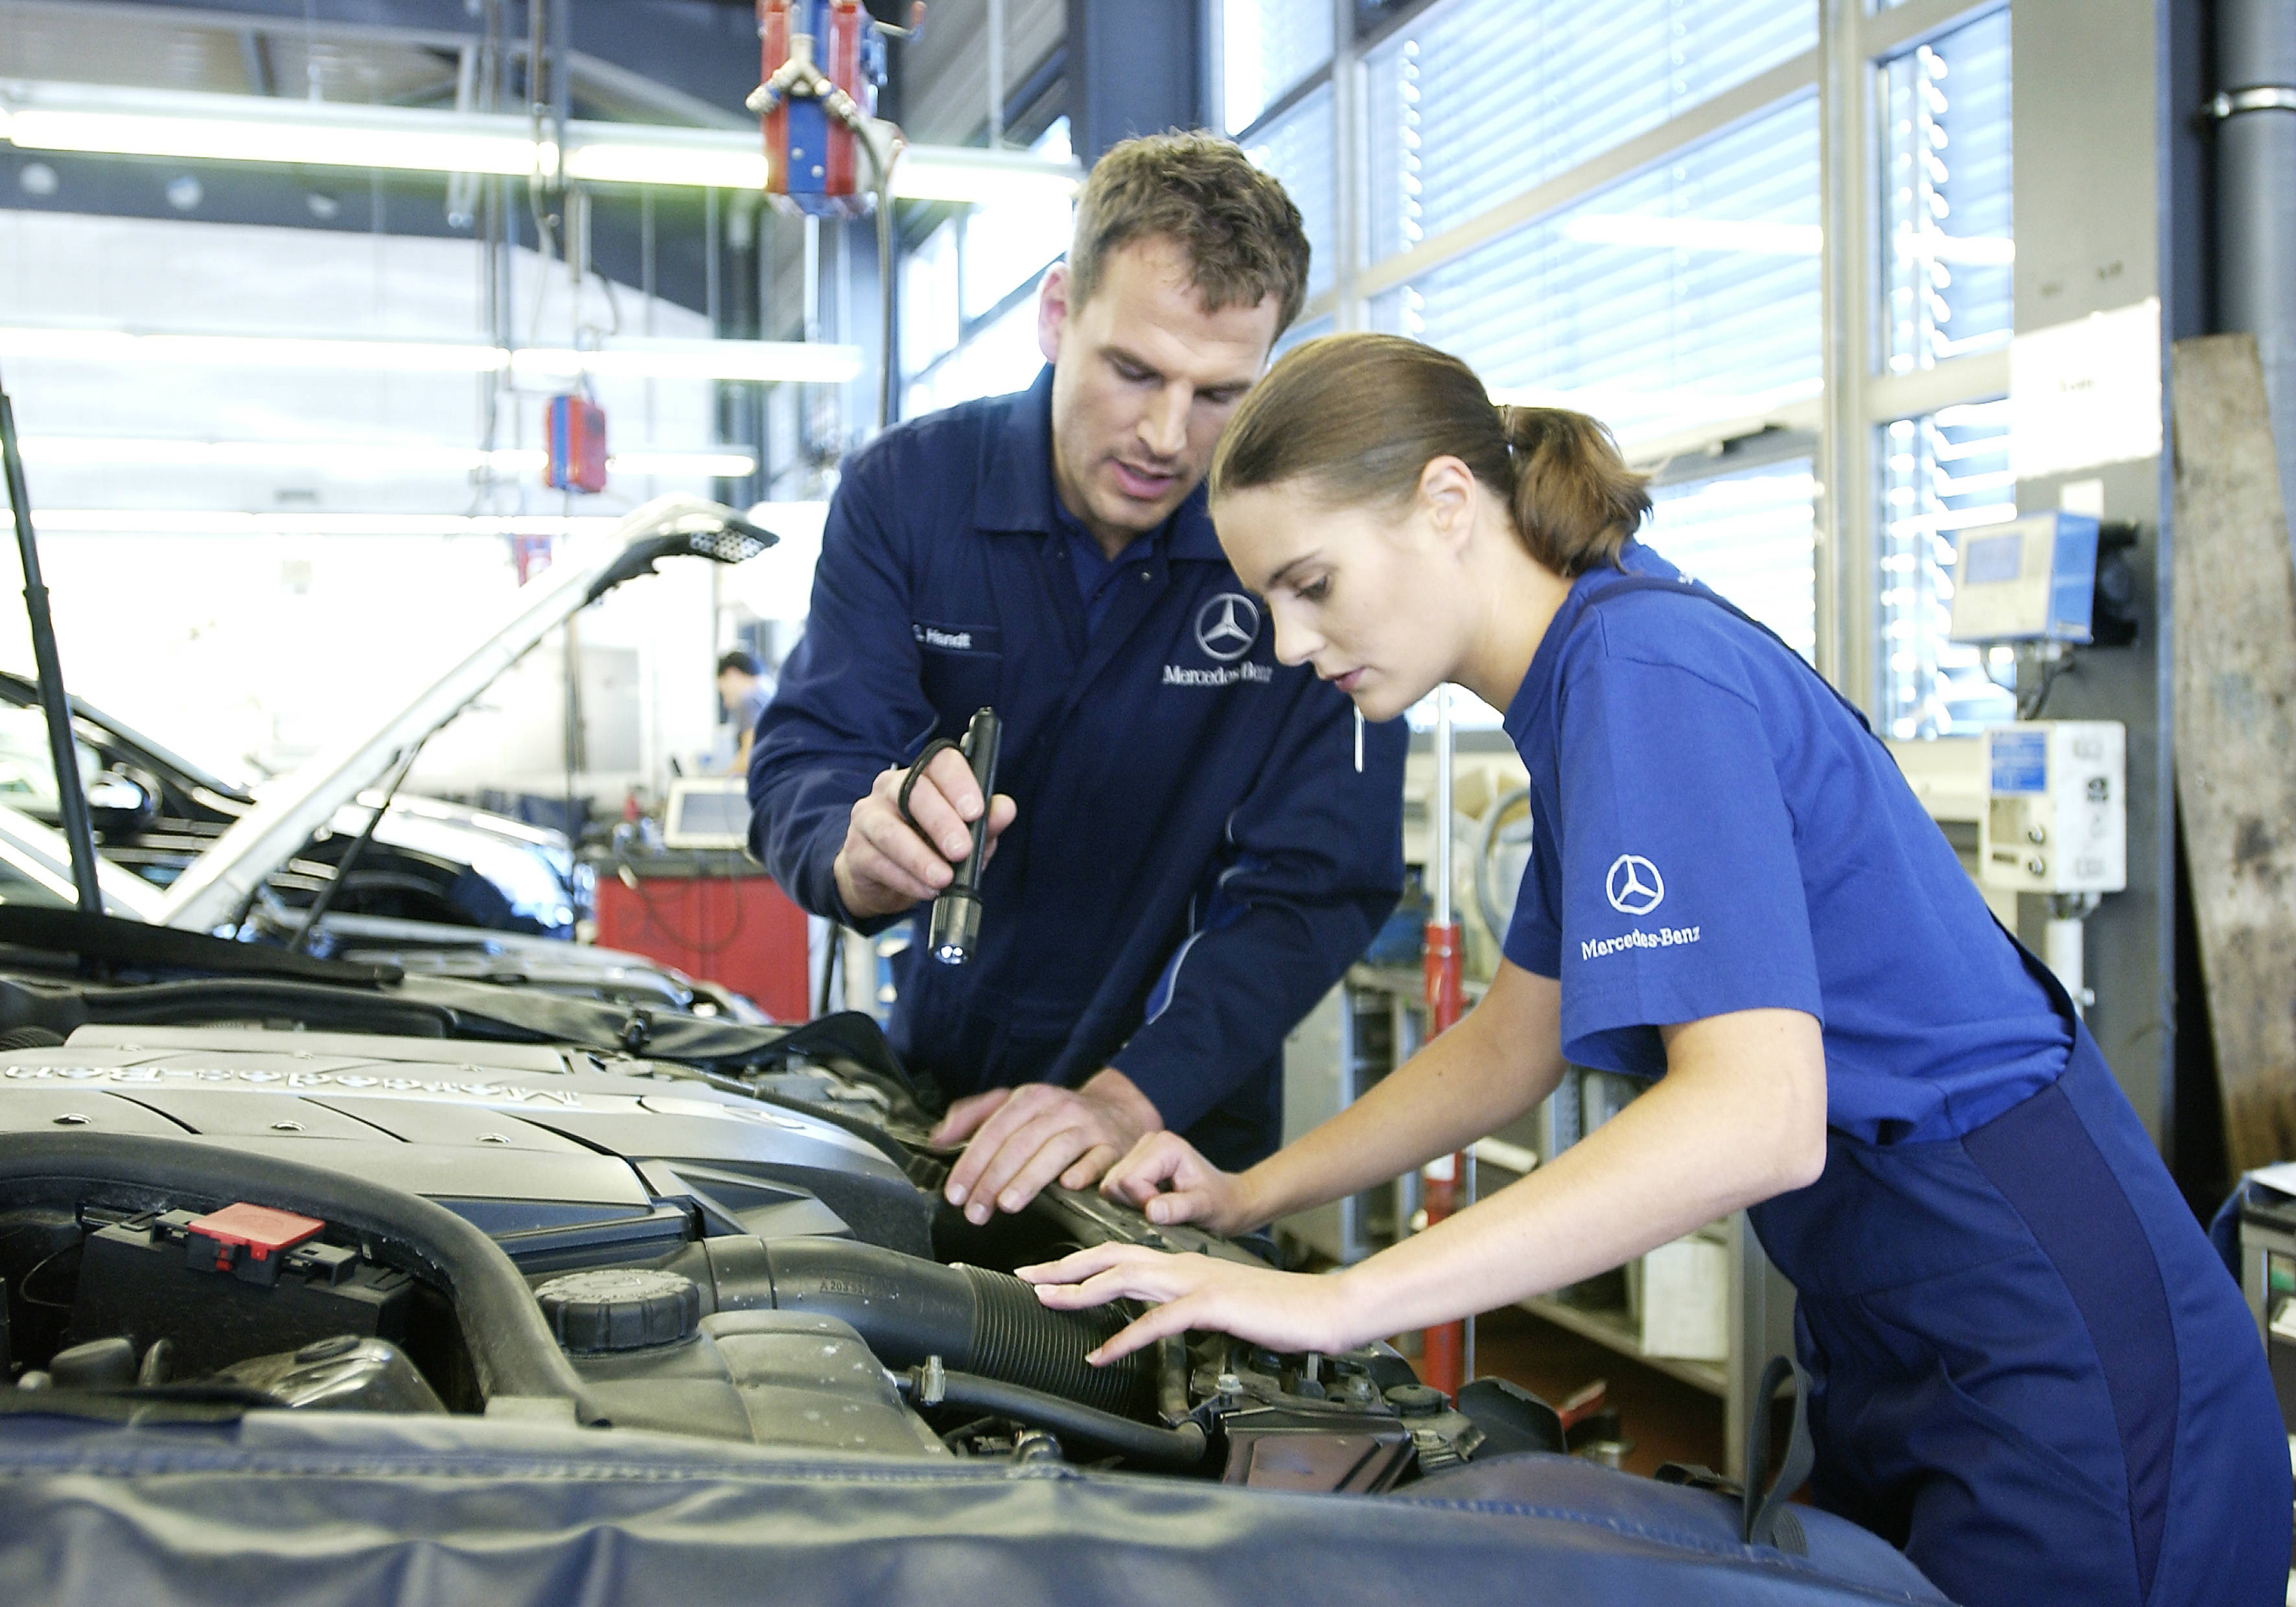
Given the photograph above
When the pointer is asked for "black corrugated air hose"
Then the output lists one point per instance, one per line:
(907, 1309)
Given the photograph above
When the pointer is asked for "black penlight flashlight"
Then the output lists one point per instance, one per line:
(956, 913)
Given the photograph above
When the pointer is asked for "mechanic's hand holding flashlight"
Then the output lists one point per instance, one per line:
(887, 864)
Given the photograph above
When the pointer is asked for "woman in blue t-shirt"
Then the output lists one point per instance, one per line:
(2029, 1369)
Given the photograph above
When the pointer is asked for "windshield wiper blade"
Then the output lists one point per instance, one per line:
(109, 938)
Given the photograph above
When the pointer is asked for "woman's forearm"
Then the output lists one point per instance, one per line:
(1495, 1064)
(1735, 1120)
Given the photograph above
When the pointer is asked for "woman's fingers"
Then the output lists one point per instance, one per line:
(1285, 1311)
(1180, 1205)
(1142, 1173)
(1160, 1322)
(1127, 1283)
(1170, 1183)
(1075, 1266)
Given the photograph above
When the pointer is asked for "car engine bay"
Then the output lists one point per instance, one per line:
(221, 1213)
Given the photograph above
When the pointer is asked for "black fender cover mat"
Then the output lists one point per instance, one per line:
(348, 1510)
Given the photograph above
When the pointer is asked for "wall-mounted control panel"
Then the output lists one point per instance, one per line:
(2056, 816)
(2032, 579)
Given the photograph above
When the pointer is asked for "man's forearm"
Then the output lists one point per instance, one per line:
(1232, 993)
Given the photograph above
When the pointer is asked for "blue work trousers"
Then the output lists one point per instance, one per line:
(2031, 1370)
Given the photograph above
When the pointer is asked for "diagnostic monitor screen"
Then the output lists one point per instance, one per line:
(709, 812)
(1993, 558)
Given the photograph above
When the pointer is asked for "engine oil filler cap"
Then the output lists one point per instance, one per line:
(620, 1308)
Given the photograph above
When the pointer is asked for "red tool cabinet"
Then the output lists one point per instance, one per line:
(716, 917)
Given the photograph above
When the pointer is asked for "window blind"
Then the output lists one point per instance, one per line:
(1266, 47)
(1752, 536)
(1298, 149)
(1687, 294)
(1941, 474)
(1479, 100)
(1947, 242)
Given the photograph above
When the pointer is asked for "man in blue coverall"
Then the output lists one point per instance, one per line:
(1188, 852)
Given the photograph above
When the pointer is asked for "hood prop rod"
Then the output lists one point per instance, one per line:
(72, 800)
(325, 899)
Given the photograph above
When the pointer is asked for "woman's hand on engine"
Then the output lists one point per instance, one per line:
(1284, 1311)
(1170, 1182)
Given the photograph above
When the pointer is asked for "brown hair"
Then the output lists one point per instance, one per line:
(1242, 234)
(1361, 416)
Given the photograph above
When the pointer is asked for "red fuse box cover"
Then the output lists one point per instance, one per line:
(261, 1231)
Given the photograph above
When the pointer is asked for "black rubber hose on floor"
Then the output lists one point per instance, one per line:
(1141, 1442)
(511, 1348)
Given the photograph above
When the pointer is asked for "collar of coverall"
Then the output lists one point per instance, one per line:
(1013, 494)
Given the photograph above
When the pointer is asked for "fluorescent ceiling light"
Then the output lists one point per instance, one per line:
(166, 521)
(248, 352)
(356, 457)
(628, 162)
(218, 127)
(715, 465)
(169, 521)
(984, 178)
(619, 358)
(399, 142)
(636, 357)
(1695, 234)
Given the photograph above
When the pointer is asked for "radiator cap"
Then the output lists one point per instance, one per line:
(620, 1308)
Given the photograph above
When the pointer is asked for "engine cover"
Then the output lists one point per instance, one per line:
(563, 1157)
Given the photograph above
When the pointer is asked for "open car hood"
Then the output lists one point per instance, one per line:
(222, 881)
(37, 851)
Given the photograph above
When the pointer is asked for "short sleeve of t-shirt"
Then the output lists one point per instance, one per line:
(1680, 893)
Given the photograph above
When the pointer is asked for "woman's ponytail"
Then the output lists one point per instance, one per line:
(1575, 502)
(1358, 417)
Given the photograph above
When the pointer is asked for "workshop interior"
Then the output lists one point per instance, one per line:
(460, 1135)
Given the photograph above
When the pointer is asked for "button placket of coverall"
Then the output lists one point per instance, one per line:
(1136, 596)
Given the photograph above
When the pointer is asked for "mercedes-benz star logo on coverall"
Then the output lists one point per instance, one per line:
(1634, 885)
(1227, 626)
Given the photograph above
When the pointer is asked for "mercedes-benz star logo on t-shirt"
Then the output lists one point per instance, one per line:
(1634, 885)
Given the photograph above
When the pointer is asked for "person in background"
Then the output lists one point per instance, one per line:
(1194, 842)
(744, 692)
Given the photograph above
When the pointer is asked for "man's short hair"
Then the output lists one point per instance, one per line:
(1242, 234)
(738, 659)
